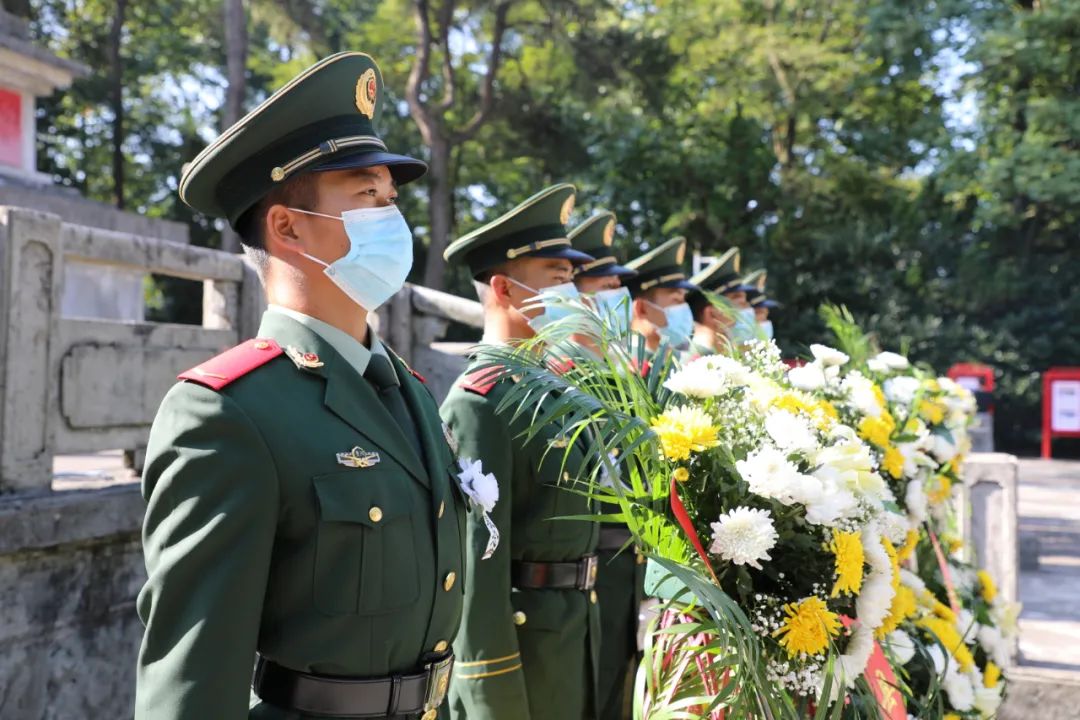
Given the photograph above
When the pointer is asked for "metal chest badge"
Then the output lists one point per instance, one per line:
(358, 458)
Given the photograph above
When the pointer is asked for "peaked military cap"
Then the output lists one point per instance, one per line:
(535, 228)
(660, 267)
(756, 295)
(723, 275)
(595, 237)
(323, 119)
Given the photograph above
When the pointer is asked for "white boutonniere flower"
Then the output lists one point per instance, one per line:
(482, 489)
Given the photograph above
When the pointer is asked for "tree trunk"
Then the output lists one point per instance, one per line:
(116, 39)
(236, 51)
(440, 212)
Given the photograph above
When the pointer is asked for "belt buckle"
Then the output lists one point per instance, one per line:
(438, 684)
(587, 568)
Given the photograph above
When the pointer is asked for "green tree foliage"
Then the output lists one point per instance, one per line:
(914, 162)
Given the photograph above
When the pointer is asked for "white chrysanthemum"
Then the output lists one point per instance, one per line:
(942, 448)
(744, 536)
(958, 687)
(915, 459)
(876, 596)
(901, 389)
(894, 527)
(698, 380)
(831, 504)
(965, 623)
(770, 474)
(852, 661)
(987, 701)
(807, 377)
(828, 356)
(860, 393)
(994, 644)
(761, 391)
(891, 361)
(915, 499)
(937, 656)
(1005, 616)
(789, 431)
(913, 581)
(902, 647)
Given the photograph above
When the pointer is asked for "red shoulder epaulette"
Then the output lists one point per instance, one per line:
(561, 366)
(219, 371)
(481, 381)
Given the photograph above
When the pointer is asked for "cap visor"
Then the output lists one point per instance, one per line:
(566, 253)
(609, 270)
(769, 304)
(680, 284)
(403, 168)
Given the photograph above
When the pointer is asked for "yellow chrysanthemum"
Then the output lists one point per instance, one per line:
(940, 609)
(880, 395)
(829, 409)
(794, 403)
(987, 586)
(932, 411)
(910, 542)
(807, 628)
(950, 638)
(952, 716)
(848, 551)
(953, 543)
(893, 462)
(681, 474)
(875, 430)
(991, 675)
(903, 607)
(685, 430)
(942, 490)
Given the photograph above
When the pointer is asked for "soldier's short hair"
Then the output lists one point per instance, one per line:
(300, 191)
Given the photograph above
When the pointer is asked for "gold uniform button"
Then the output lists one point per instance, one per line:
(442, 508)
(375, 514)
(592, 597)
(640, 559)
(519, 618)
(441, 646)
(262, 345)
(449, 581)
(430, 714)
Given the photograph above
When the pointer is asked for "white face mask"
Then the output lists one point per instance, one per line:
(767, 328)
(551, 311)
(379, 256)
(680, 323)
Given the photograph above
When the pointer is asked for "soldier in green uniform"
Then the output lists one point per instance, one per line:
(621, 572)
(715, 328)
(303, 515)
(529, 637)
(762, 304)
(659, 290)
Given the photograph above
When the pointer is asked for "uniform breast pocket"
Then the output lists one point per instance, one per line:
(559, 495)
(364, 556)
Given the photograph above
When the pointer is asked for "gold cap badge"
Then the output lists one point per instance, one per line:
(609, 233)
(367, 88)
(567, 208)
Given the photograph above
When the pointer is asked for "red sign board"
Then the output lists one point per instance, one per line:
(11, 130)
(1061, 405)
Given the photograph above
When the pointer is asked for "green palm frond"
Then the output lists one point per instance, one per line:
(849, 337)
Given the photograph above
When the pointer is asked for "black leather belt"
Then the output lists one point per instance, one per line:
(349, 697)
(613, 538)
(579, 575)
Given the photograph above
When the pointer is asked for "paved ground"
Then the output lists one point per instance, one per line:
(1049, 510)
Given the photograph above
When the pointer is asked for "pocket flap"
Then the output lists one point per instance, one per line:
(364, 497)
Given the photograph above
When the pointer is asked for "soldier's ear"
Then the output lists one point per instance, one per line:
(280, 235)
(500, 288)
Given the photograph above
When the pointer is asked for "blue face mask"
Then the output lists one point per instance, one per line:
(746, 325)
(545, 297)
(614, 307)
(379, 257)
(680, 324)
(766, 327)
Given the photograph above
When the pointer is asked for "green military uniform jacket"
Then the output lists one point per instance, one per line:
(259, 538)
(522, 654)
